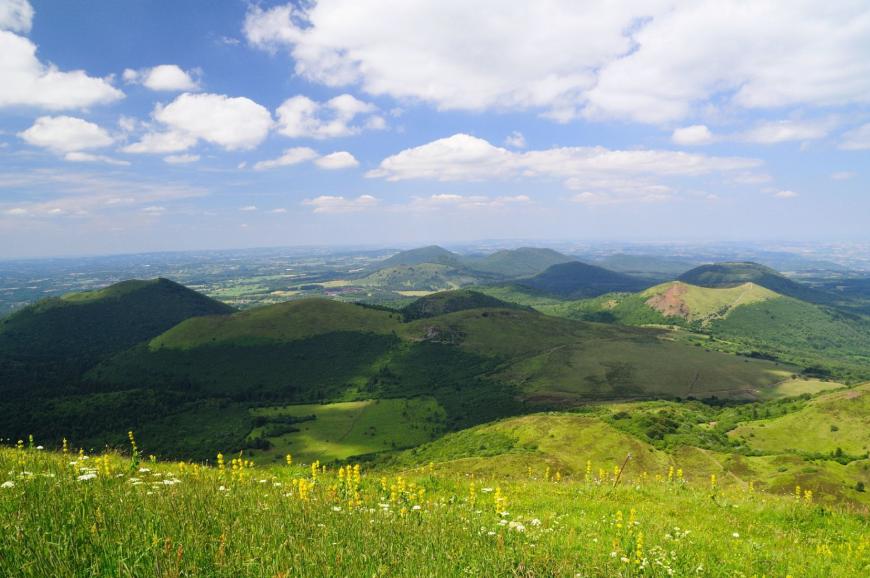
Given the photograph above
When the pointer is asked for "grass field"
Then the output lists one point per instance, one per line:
(701, 304)
(78, 515)
(342, 430)
(835, 420)
(799, 386)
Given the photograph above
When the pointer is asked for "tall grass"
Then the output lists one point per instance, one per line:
(63, 514)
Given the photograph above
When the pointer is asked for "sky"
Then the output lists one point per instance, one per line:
(162, 125)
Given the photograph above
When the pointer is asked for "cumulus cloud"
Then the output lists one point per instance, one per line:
(161, 142)
(231, 123)
(773, 132)
(291, 156)
(462, 157)
(64, 134)
(656, 61)
(516, 140)
(297, 155)
(464, 202)
(339, 204)
(857, 139)
(180, 159)
(29, 82)
(16, 15)
(697, 134)
(842, 175)
(80, 157)
(165, 77)
(337, 161)
(301, 117)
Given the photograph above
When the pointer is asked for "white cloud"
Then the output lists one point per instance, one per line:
(697, 134)
(463, 157)
(857, 139)
(165, 77)
(63, 134)
(80, 157)
(297, 155)
(656, 61)
(278, 211)
(180, 159)
(785, 194)
(292, 156)
(337, 204)
(161, 142)
(336, 161)
(516, 140)
(843, 175)
(463, 202)
(231, 123)
(460, 157)
(787, 130)
(248, 208)
(530, 55)
(154, 210)
(84, 193)
(28, 82)
(301, 117)
(16, 15)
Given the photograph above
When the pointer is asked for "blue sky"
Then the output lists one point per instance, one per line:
(141, 126)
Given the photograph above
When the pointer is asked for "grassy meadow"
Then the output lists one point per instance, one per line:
(65, 513)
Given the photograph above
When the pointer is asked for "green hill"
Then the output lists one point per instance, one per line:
(450, 302)
(701, 304)
(52, 342)
(834, 420)
(646, 266)
(419, 277)
(602, 437)
(473, 357)
(745, 318)
(431, 254)
(576, 280)
(737, 273)
(517, 263)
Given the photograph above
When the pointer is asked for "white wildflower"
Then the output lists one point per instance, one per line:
(86, 477)
(9, 484)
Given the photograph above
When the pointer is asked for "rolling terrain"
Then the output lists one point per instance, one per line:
(54, 340)
(477, 358)
(738, 309)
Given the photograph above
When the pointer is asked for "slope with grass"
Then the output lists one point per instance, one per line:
(421, 277)
(517, 263)
(731, 274)
(834, 420)
(109, 515)
(452, 301)
(746, 318)
(338, 431)
(433, 254)
(51, 343)
(646, 266)
(577, 280)
(700, 304)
